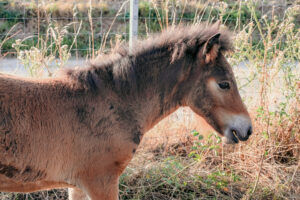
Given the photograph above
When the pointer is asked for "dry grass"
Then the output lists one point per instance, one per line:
(163, 167)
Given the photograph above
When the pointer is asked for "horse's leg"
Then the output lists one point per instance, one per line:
(77, 194)
(102, 189)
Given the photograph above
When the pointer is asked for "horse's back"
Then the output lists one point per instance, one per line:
(11, 84)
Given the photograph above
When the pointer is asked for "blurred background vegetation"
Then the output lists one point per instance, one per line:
(33, 18)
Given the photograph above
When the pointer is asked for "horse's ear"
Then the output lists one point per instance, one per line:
(211, 48)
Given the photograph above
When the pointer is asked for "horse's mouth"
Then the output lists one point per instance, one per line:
(233, 137)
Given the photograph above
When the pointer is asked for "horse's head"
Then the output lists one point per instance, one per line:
(214, 94)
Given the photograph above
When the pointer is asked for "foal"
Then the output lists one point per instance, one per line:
(81, 129)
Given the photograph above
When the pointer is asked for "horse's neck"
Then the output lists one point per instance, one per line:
(158, 82)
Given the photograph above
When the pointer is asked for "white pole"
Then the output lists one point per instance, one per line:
(134, 17)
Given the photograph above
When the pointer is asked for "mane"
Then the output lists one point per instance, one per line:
(170, 37)
(177, 40)
(185, 34)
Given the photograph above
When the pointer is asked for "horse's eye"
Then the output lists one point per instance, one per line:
(224, 85)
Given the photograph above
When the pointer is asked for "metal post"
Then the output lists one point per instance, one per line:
(134, 17)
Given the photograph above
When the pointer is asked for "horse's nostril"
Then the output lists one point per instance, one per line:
(249, 132)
